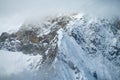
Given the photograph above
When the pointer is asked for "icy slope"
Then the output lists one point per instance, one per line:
(82, 65)
(72, 47)
(90, 49)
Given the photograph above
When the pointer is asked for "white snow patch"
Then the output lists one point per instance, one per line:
(15, 62)
(78, 16)
(60, 36)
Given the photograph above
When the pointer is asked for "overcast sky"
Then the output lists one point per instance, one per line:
(14, 12)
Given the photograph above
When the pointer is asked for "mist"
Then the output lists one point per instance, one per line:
(14, 12)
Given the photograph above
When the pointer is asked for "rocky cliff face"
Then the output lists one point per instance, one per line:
(73, 47)
(35, 38)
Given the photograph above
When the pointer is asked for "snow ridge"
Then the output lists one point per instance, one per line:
(69, 47)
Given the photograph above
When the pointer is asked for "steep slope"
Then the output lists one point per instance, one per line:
(86, 46)
(72, 47)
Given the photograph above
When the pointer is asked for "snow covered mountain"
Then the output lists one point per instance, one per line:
(66, 47)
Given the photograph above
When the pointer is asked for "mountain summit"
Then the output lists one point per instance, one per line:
(66, 47)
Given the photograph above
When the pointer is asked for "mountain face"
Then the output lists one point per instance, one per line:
(67, 47)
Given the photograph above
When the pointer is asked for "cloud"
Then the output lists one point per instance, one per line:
(32, 8)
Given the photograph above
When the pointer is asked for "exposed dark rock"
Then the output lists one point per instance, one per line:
(4, 36)
(95, 75)
(78, 36)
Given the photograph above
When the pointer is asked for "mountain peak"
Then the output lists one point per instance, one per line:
(77, 45)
